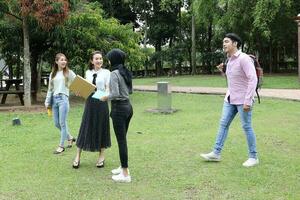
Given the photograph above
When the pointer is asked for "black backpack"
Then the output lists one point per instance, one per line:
(259, 74)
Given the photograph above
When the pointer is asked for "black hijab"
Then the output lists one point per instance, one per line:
(117, 60)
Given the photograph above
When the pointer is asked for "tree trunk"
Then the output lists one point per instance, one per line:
(35, 82)
(190, 61)
(299, 51)
(172, 56)
(193, 46)
(27, 71)
(270, 58)
(39, 78)
(158, 64)
(209, 49)
(18, 71)
(145, 46)
(10, 69)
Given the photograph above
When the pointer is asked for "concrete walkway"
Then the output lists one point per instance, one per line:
(287, 94)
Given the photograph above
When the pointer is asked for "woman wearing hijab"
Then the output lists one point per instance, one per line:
(120, 87)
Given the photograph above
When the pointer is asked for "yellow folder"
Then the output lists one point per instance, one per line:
(82, 87)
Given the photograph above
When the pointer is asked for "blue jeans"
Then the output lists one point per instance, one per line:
(229, 112)
(60, 109)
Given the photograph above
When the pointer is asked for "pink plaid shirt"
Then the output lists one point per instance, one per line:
(241, 79)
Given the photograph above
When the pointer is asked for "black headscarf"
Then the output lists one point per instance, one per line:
(117, 60)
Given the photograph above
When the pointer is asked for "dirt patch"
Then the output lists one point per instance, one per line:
(13, 104)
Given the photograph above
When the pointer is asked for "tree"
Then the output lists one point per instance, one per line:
(119, 9)
(87, 30)
(161, 18)
(47, 13)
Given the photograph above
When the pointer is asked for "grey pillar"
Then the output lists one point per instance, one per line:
(164, 97)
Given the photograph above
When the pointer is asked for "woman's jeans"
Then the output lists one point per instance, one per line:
(121, 113)
(60, 109)
(229, 112)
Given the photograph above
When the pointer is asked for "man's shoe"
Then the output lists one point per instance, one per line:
(121, 178)
(116, 171)
(251, 162)
(211, 156)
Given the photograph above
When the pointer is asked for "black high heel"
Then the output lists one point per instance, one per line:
(76, 164)
(100, 164)
(71, 140)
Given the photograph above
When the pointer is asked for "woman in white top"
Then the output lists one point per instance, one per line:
(94, 133)
(58, 98)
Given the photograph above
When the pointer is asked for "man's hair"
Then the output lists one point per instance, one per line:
(235, 38)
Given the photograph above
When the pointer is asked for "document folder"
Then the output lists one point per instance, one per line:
(82, 87)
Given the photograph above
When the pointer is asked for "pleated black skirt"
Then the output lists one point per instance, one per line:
(94, 132)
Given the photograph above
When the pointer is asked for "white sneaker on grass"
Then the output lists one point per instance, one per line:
(116, 171)
(251, 162)
(121, 178)
(212, 156)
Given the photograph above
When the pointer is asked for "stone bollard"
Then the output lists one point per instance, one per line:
(164, 97)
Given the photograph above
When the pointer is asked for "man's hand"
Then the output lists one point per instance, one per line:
(246, 108)
(220, 67)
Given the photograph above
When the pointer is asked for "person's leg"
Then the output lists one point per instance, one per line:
(228, 114)
(129, 117)
(119, 125)
(63, 114)
(55, 112)
(76, 162)
(56, 116)
(246, 121)
(127, 121)
(101, 158)
(121, 115)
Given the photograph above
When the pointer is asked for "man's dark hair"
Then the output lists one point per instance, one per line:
(235, 38)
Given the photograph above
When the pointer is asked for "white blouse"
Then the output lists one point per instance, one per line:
(102, 80)
(59, 85)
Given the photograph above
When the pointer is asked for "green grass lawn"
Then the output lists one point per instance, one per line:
(274, 81)
(163, 155)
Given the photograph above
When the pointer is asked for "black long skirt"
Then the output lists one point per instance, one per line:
(94, 132)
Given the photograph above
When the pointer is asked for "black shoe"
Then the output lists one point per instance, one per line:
(59, 152)
(100, 164)
(71, 140)
(76, 164)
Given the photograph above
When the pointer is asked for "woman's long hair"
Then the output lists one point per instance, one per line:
(55, 68)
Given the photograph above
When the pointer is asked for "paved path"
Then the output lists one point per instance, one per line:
(289, 94)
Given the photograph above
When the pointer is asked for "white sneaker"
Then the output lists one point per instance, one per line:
(211, 156)
(251, 162)
(116, 171)
(121, 178)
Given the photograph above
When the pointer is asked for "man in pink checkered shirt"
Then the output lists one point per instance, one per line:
(242, 80)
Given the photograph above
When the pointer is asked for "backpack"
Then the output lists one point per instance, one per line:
(259, 73)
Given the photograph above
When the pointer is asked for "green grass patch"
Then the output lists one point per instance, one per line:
(163, 155)
(274, 81)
